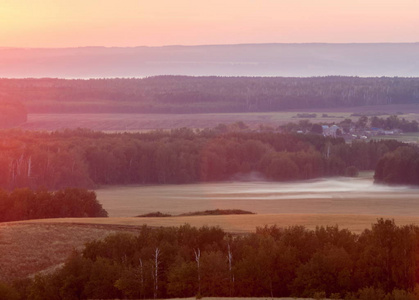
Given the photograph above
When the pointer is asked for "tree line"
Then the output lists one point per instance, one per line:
(86, 159)
(26, 204)
(380, 263)
(394, 122)
(183, 94)
(363, 123)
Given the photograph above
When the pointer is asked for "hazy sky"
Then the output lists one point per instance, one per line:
(73, 23)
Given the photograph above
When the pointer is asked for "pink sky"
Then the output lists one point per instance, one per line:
(76, 23)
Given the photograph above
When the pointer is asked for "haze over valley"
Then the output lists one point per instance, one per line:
(289, 60)
(209, 149)
(321, 196)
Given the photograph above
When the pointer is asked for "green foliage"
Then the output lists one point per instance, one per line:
(84, 159)
(400, 166)
(351, 171)
(370, 293)
(12, 113)
(327, 262)
(182, 94)
(25, 204)
(319, 295)
(329, 270)
(335, 296)
(317, 128)
(7, 292)
(394, 122)
(182, 279)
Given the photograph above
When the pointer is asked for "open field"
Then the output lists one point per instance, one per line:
(237, 224)
(405, 137)
(359, 196)
(28, 247)
(141, 122)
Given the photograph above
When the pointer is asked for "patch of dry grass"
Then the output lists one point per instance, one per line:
(26, 249)
(241, 223)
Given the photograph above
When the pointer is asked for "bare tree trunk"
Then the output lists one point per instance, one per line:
(141, 279)
(271, 288)
(197, 259)
(230, 269)
(156, 271)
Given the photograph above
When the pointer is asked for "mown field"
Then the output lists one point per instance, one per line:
(323, 196)
(32, 246)
(139, 122)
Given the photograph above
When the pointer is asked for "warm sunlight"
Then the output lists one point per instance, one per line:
(205, 149)
(48, 23)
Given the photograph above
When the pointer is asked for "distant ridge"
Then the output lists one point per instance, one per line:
(290, 60)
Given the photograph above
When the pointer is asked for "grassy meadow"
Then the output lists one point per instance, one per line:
(410, 137)
(359, 196)
(139, 122)
(143, 122)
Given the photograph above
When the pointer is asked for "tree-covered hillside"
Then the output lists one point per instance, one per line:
(399, 167)
(84, 158)
(181, 94)
(12, 113)
(379, 264)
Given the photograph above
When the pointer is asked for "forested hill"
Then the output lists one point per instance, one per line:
(84, 158)
(12, 113)
(181, 94)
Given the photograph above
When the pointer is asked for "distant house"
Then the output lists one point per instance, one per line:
(377, 131)
(330, 131)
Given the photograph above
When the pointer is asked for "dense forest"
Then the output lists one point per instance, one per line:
(379, 264)
(182, 94)
(12, 113)
(26, 204)
(399, 167)
(85, 159)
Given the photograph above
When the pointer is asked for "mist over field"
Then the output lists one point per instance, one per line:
(322, 196)
(299, 60)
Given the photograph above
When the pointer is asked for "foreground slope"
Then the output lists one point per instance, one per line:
(29, 247)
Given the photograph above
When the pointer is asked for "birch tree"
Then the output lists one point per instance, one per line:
(198, 264)
(156, 263)
(230, 269)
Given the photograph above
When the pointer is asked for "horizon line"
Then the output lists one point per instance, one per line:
(212, 45)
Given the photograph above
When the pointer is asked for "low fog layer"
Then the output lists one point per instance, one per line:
(325, 196)
(300, 60)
